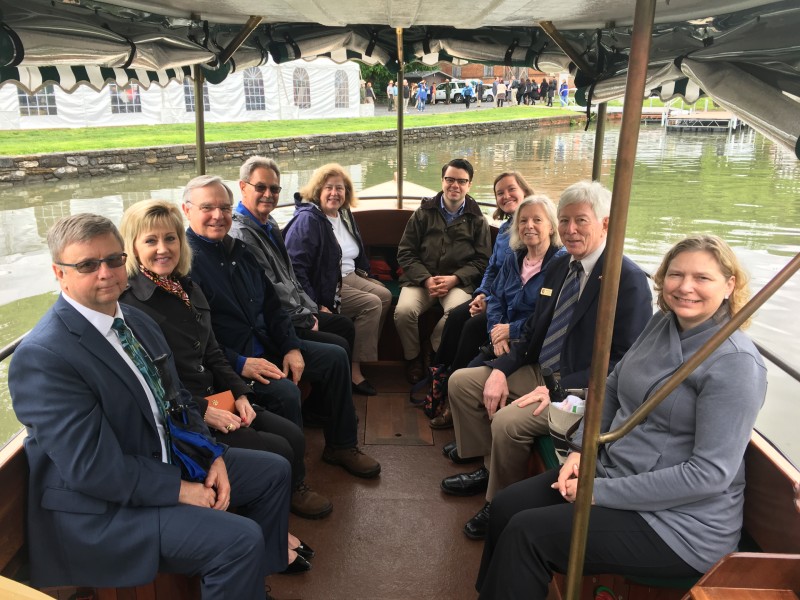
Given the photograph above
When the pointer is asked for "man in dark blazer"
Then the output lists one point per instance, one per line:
(503, 435)
(105, 506)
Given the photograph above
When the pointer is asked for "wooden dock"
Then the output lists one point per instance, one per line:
(701, 121)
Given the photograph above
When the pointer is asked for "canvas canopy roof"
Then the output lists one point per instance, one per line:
(744, 53)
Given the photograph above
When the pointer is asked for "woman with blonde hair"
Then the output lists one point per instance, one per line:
(158, 265)
(324, 244)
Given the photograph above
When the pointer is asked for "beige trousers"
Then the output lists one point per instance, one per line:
(504, 442)
(415, 300)
(367, 302)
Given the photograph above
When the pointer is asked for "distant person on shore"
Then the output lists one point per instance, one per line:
(390, 94)
(495, 83)
(552, 89)
(479, 92)
(369, 93)
(563, 94)
(447, 87)
(667, 498)
(501, 93)
(422, 96)
(433, 93)
(468, 93)
(406, 95)
(444, 251)
(108, 503)
(544, 88)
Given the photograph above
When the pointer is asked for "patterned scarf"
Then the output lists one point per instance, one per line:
(169, 284)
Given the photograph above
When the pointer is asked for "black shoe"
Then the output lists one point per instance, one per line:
(466, 484)
(314, 419)
(475, 529)
(365, 388)
(305, 550)
(448, 448)
(453, 455)
(298, 565)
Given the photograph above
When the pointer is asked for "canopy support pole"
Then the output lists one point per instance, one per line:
(400, 105)
(565, 46)
(606, 310)
(599, 141)
(236, 42)
(199, 120)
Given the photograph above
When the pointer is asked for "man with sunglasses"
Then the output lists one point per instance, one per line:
(444, 251)
(107, 505)
(260, 184)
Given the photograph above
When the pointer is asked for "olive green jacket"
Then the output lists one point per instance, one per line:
(430, 246)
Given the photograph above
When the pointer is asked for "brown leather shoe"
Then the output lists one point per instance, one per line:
(442, 421)
(309, 504)
(353, 460)
(415, 372)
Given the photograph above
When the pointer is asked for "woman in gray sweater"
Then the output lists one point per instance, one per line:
(668, 497)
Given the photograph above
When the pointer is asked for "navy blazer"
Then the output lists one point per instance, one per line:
(96, 475)
(634, 309)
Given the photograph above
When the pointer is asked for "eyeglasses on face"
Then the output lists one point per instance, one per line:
(209, 208)
(115, 261)
(452, 180)
(261, 188)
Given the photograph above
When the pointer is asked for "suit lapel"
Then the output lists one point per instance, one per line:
(96, 345)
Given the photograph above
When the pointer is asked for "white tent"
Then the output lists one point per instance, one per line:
(300, 89)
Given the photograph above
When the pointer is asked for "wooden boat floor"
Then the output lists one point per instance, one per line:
(396, 537)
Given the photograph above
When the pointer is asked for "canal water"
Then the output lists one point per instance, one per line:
(739, 186)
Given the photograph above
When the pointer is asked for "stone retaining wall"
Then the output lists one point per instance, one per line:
(62, 165)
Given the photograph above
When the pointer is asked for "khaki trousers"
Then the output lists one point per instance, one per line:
(504, 442)
(415, 300)
(367, 302)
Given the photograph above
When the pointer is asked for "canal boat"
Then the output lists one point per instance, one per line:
(741, 53)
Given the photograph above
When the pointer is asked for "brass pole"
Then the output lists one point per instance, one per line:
(199, 120)
(565, 46)
(599, 141)
(400, 102)
(626, 155)
(248, 28)
(705, 350)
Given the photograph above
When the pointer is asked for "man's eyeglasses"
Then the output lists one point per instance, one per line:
(209, 208)
(452, 180)
(115, 261)
(261, 188)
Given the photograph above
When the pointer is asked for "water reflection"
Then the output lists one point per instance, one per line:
(739, 186)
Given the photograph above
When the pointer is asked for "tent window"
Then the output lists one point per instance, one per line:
(39, 104)
(254, 89)
(126, 99)
(302, 88)
(342, 87)
(188, 95)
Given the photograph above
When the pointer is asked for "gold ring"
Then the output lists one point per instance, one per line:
(229, 427)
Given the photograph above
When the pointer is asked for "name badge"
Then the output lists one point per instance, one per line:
(546, 292)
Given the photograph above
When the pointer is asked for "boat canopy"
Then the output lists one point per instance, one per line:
(743, 53)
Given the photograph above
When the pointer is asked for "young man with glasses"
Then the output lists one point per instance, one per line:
(443, 252)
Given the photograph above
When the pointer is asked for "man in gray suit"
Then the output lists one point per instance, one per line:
(107, 506)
